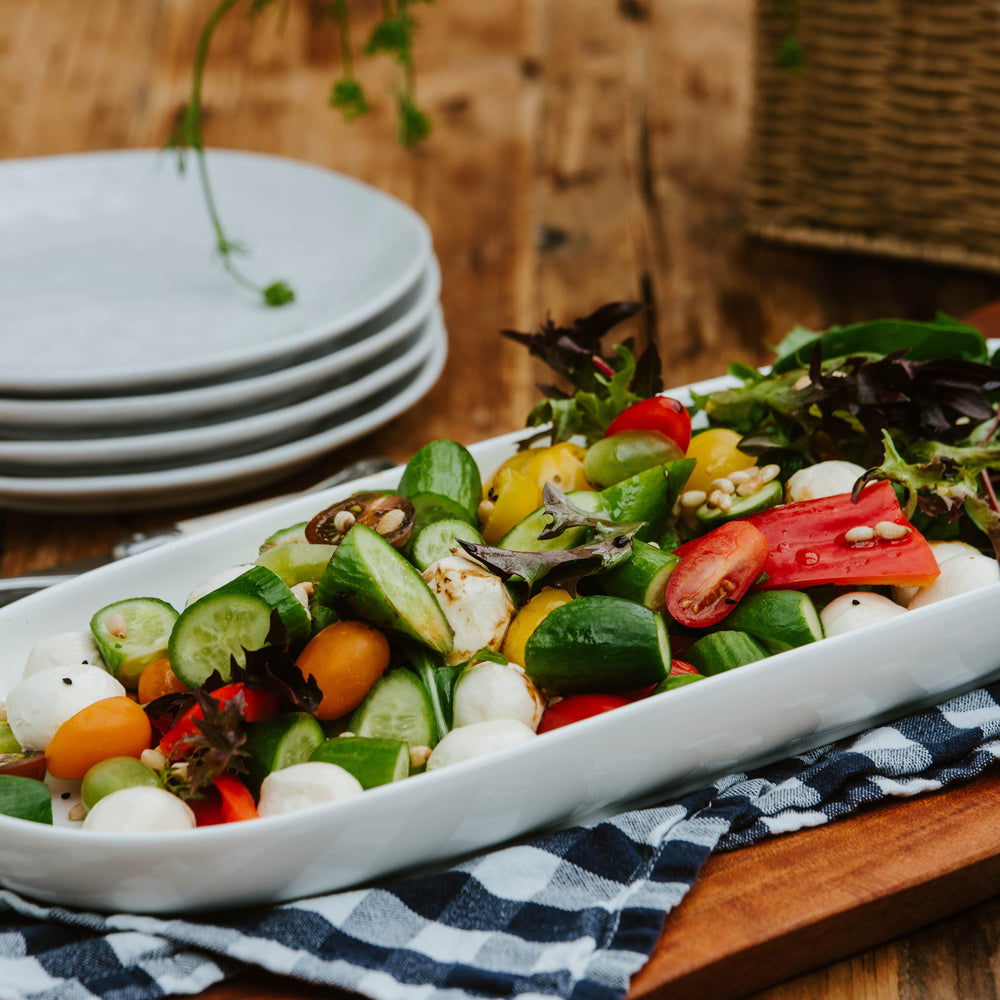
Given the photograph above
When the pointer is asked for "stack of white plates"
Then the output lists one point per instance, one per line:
(134, 373)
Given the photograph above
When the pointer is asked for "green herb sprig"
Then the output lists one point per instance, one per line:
(392, 35)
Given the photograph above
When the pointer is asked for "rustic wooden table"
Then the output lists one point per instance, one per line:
(582, 152)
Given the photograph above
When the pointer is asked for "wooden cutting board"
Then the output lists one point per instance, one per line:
(764, 914)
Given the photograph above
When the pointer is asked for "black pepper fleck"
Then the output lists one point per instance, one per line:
(65, 795)
(67, 680)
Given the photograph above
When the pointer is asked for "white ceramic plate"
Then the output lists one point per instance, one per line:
(109, 283)
(167, 450)
(761, 711)
(350, 354)
(214, 479)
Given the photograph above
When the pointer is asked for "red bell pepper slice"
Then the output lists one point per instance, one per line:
(807, 547)
(258, 704)
(237, 802)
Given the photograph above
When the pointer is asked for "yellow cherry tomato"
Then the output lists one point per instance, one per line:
(346, 658)
(717, 455)
(111, 727)
(528, 618)
(157, 679)
(560, 464)
(510, 497)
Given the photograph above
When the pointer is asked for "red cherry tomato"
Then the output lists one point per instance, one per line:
(577, 707)
(715, 571)
(658, 413)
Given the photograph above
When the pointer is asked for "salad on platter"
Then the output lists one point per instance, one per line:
(633, 545)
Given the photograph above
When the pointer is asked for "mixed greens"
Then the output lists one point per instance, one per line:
(634, 544)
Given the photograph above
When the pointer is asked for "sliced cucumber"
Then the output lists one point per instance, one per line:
(598, 644)
(643, 577)
(442, 480)
(648, 496)
(279, 742)
(130, 634)
(769, 495)
(297, 562)
(779, 619)
(397, 707)
(436, 540)
(373, 760)
(367, 575)
(293, 533)
(25, 798)
(724, 650)
(228, 621)
(523, 537)
(676, 681)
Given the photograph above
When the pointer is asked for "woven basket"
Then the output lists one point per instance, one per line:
(886, 137)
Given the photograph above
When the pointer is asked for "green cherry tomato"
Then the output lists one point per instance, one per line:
(112, 774)
(620, 456)
(664, 414)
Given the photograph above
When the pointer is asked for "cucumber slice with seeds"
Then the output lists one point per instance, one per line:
(397, 707)
(130, 634)
(279, 742)
(369, 577)
(227, 622)
(437, 539)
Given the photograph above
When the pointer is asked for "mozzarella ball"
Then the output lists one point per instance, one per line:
(140, 809)
(476, 739)
(302, 785)
(61, 650)
(825, 479)
(217, 580)
(475, 602)
(44, 700)
(960, 573)
(487, 690)
(855, 610)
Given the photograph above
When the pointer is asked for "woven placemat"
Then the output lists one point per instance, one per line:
(876, 127)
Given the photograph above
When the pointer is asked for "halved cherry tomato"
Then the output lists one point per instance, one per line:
(157, 679)
(110, 727)
(577, 707)
(237, 802)
(658, 413)
(258, 704)
(715, 571)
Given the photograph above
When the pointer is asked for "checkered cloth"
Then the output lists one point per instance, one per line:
(570, 914)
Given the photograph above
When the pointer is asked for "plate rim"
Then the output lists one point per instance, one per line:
(177, 373)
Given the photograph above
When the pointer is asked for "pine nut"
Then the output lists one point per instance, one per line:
(343, 521)
(750, 487)
(861, 533)
(724, 502)
(802, 383)
(153, 758)
(390, 521)
(484, 510)
(419, 756)
(693, 498)
(115, 624)
(769, 472)
(723, 485)
(891, 531)
(741, 476)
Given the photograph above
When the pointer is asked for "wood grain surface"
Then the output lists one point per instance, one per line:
(583, 151)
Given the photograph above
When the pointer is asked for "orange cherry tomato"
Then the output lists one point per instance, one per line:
(111, 727)
(345, 658)
(157, 679)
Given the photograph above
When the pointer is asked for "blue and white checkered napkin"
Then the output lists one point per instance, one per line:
(570, 914)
